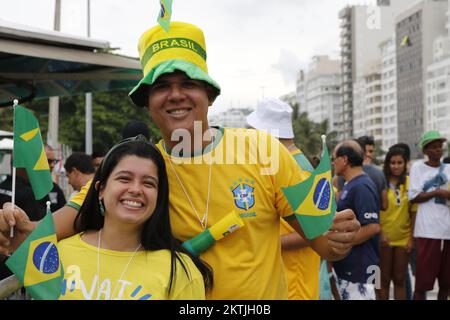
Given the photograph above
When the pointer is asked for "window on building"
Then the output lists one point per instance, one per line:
(442, 97)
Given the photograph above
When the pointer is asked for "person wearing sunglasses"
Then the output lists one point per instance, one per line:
(397, 223)
(359, 194)
(56, 195)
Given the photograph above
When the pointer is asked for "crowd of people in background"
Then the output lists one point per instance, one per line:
(386, 199)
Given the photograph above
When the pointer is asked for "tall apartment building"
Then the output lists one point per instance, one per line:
(437, 103)
(367, 108)
(416, 30)
(300, 90)
(363, 28)
(389, 91)
(318, 91)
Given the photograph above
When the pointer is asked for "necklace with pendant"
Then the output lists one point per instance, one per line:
(204, 219)
(98, 265)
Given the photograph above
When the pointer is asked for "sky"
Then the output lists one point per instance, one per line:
(255, 47)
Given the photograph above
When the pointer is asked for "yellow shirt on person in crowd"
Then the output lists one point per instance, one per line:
(144, 276)
(395, 222)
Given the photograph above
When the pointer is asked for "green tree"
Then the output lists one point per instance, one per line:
(308, 135)
(110, 112)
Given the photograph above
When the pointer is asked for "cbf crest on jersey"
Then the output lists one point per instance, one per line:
(313, 199)
(36, 262)
(243, 194)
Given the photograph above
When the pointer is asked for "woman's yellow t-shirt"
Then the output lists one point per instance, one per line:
(122, 276)
(395, 222)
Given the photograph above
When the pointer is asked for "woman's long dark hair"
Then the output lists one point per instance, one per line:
(396, 151)
(157, 232)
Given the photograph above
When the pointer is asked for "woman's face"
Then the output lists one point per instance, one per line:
(131, 191)
(397, 165)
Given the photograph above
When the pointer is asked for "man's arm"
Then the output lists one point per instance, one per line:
(293, 241)
(366, 232)
(425, 196)
(63, 220)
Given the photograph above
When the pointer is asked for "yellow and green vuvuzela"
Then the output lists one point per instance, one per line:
(29, 152)
(228, 224)
(36, 262)
(313, 199)
(165, 14)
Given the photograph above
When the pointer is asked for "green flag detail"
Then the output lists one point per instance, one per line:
(165, 14)
(29, 152)
(313, 199)
(36, 262)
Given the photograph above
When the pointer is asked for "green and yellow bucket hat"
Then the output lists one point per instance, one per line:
(429, 137)
(183, 48)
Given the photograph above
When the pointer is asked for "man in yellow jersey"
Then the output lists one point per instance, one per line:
(300, 261)
(213, 171)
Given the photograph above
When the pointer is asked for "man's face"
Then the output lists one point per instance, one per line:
(72, 179)
(434, 150)
(369, 153)
(338, 163)
(176, 101)
(50, 158)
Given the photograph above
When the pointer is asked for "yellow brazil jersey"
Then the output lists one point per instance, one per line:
(122, 276)
(301, 265)
(78, 198)
(247, 176)
(395, 222)
(247, 173)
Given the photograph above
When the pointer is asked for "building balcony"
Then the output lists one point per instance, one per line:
(345, 13)
(346, 31)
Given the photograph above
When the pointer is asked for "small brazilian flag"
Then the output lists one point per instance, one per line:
(165, 14)
(29, 152)
(36, 262)
(313, 199)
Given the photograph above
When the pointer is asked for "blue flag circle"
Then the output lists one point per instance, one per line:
(46, 258)
(322, 194)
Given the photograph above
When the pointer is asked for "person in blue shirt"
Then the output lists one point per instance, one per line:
(357, 271)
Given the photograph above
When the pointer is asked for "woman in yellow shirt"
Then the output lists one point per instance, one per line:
(396, 240)
(124, 248)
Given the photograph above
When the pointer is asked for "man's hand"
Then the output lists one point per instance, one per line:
(13, 216)
(343, 232)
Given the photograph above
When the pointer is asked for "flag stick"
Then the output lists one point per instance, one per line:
(13, 191)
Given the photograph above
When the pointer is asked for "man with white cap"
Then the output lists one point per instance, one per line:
(178, 91)
(300, 261)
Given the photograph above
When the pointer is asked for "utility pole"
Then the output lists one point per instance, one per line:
(88, 115)
(262, 91)
(53, 107)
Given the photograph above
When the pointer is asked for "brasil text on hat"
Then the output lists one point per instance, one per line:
(272, 114)
(183, 48)
(429, 137)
